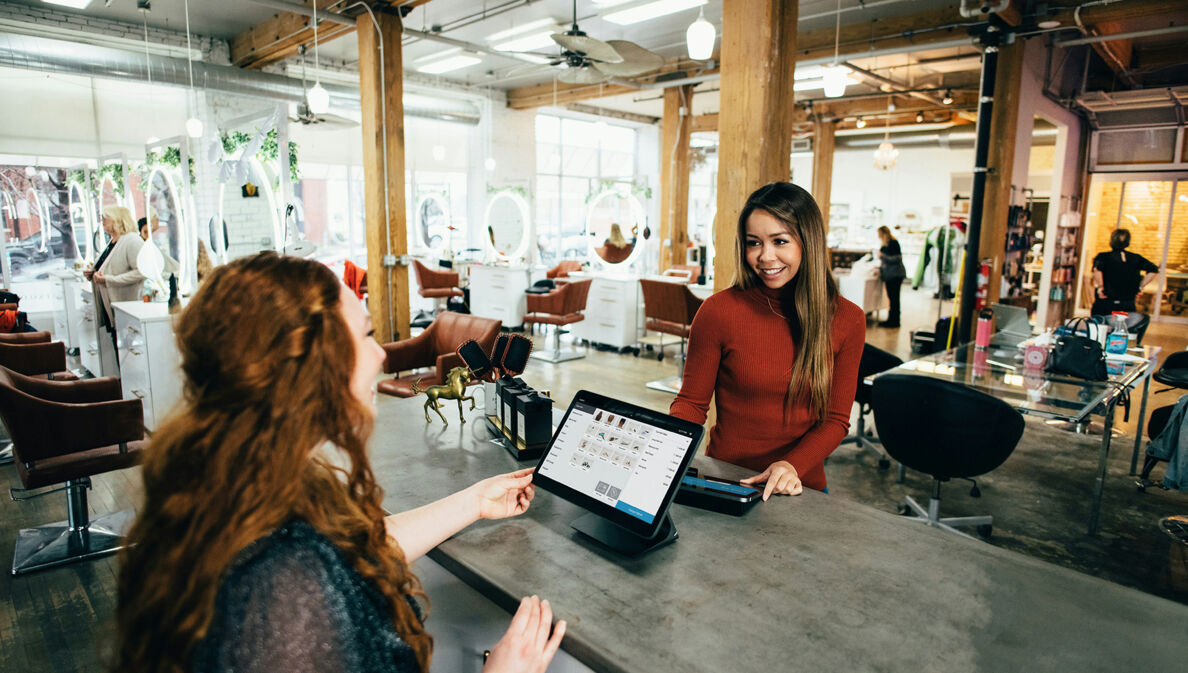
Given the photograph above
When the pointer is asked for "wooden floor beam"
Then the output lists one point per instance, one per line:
(675, 129)
(386, 226)
(759, 44)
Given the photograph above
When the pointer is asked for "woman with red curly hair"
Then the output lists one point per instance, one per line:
(261, 544)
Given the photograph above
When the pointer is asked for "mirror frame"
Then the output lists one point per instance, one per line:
(183, 233)
(85, 209)
(522, 248)
(445, 208)
(42, 216)
(637, 211)
(277, 223)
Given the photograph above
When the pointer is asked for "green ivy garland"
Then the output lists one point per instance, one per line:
(518, 189)
(171, 158)
(269, 149)
(619, 188)
(113, 171)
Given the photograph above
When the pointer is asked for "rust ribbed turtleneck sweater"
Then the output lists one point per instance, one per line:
(741, 350)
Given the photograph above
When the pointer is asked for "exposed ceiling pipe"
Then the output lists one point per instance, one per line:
(1166, 30)
(57, 56)
(896, 87)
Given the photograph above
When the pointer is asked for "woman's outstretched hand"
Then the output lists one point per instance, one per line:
(527, 646)
(780, 477)
(504, 495)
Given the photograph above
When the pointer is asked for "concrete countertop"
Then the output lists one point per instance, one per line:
(799, 583)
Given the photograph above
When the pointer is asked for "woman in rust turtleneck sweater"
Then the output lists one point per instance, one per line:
(779, 349)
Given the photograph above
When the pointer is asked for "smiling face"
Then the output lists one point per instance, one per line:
(772, 252)
(369, 356)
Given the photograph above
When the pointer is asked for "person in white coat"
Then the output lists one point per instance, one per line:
(117, 278)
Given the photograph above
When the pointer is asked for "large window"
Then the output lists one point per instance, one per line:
(574, 158)
(332, 214)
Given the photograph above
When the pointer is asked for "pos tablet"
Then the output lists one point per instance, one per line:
(622, 463)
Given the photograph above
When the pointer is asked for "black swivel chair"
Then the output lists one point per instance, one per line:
(874, 360)
(946, 430)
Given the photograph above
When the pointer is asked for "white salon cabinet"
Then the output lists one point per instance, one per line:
(66, 318)
(96, 352)
(150, 366)
(614, 310)
(497, 292)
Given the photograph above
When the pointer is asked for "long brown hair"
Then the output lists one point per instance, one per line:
(267, 358)
(809, 300)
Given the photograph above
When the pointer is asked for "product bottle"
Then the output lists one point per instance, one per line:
(985, 327)
(1118, 338)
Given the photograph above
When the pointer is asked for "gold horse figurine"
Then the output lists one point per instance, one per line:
(454, 389)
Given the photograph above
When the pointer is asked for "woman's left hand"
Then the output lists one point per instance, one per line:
(504, 495)
(99, 278)
(780, 477)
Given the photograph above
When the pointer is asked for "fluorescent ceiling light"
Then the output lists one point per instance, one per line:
(811, 84)
(538, 40)
(651, 10)
(73, 4)
(531, 26)
(448, 64)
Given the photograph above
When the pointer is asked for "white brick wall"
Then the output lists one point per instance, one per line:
(213, 50)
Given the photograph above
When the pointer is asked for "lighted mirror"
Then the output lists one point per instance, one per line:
(507, 225)
(36, 210)
(80, 221)
(433, 221)
(249, 213)
(166, 226)
(614, 223)
(108, 196)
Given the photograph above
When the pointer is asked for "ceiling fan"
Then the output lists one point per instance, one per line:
(589, 61)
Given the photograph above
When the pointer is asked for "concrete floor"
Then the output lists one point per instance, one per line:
(1039, 498)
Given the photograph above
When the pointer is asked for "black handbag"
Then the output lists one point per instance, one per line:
(1078, 356)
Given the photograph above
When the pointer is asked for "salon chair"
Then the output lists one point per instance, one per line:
(946, 430)
(874, 361)
(64, 432)
(559, 307)
(689, 272)
(1173, 373)
(439, 286)
(669, 308)
(563, 269)
(435, 347)
(32, 354)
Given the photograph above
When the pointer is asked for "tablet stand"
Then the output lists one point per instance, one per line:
(622, 540)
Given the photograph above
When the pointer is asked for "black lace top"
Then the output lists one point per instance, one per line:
(292, 603)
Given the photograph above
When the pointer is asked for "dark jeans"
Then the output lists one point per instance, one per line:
(893, 297)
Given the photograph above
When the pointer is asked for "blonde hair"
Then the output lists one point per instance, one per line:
(809, 300)
(616, 237)
(122, 217)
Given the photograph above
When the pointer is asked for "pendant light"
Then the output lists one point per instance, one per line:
(700, 38)
(834, 75)
(885, 155)
(193, 124)
(317, 97)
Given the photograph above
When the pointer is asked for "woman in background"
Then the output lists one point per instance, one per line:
(778, 351)
(616, 247)
(892, 271)
(1119, 276)
(261, 544)
(116, 276)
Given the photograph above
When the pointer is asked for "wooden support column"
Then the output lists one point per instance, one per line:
(387, 231)
(755, 129)
(1004, 126)
(823, 165)
(674, 175)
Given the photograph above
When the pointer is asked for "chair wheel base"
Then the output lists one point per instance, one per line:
(55, 544)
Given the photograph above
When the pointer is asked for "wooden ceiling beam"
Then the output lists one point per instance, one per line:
(282, 35)
(560, 93)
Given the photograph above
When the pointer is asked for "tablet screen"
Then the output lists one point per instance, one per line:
(624, 457)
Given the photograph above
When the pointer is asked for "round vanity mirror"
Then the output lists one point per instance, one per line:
(108, 196)
(433, 221)
(37, 211)
(248, 210)
(165, 219)
(507, 225)
(614, 224)
(80, 221)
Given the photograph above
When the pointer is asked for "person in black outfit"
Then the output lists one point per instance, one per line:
(892, 271)
(1119, 276)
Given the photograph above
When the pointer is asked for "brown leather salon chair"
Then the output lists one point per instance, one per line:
(436, 284)
(33, 354)
(63, 432)
(435, 347)
(563, 269)
(669, 308)
(560, 307)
